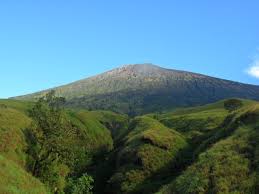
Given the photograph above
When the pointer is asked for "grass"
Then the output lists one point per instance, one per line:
(204, 149)
(148, 149)
(16, 104)
(217, 106)
(100, 121)
(224, 168)
(13, 145)
(229, 165)
(15, 180)
(99, 129)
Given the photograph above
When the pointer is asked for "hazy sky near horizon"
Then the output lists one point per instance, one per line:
(49, 43)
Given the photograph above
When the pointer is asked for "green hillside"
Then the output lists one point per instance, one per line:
(96, 129)
(206, 134)
(139, 159)
(204, 149)
(13, 143)
(228, 166)
(15, 180)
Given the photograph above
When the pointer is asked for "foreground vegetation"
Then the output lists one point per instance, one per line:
(208, 149)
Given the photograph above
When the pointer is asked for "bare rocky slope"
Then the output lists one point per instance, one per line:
(142, 88)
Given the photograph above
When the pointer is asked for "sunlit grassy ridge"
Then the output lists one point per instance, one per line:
(98, 121)
(228, 166)
(149, 149)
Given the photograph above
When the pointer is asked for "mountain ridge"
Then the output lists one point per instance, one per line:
(137, 86)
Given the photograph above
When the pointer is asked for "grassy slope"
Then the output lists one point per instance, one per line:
(147, 151)
(15, 180)
(99, 121)
(228, 166)
(196, 121)
(11, 136)
(96, 127)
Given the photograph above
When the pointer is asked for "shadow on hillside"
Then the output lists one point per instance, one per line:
(185, 157)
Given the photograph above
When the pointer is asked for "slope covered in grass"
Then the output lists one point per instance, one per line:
(98, 128)
(15, 180)
(16, 104)
(197, 121)
(148, 150)
(13, 144)
(99, 121)
(205, 149)
(228, 166)
(97, 132)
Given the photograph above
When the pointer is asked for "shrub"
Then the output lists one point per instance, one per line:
(232, 104)
(82, 185)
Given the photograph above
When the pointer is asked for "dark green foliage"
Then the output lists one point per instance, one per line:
(82, 185)
(232, 104)
(47, 150)
(51, 139)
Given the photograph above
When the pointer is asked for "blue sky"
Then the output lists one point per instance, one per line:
(50, 43)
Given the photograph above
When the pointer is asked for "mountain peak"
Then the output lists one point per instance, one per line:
(131, 71)
(144, 67)
(148, 87)
(141, 66)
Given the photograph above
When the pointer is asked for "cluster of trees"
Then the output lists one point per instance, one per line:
(52, 156)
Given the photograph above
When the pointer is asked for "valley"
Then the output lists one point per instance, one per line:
(189, 150)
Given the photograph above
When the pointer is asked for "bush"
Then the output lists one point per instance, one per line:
(233, 104)
(82, 185)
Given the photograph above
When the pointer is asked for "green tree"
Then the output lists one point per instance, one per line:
(233, 104)
(48, 150)
(47, 130)
(82, 185)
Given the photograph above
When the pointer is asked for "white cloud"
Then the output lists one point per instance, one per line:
(253, 70)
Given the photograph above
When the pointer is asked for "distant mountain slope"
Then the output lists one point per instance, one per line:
(143, 88)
